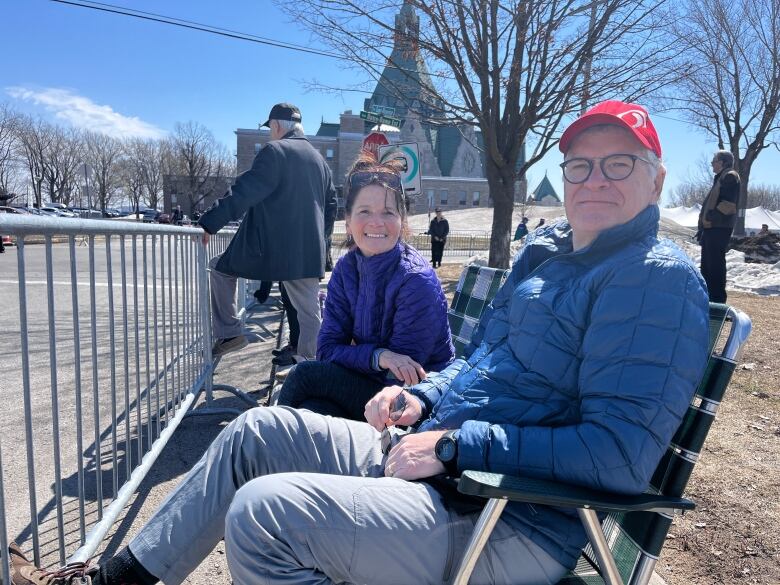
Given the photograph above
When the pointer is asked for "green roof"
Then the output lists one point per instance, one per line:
(544, 189)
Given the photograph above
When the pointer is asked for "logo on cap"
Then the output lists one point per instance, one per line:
(640, 118)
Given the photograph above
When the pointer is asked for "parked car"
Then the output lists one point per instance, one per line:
(59, 212)
(16, 210)
(149, 215)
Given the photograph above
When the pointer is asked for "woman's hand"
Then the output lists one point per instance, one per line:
(392, 406)
(404, 368)
(414, 457)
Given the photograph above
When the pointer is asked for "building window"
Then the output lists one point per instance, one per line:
(462, 198)
(475, 198)
(443, 196)
(328, 153)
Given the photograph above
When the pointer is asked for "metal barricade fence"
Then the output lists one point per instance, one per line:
(106, 341)
(459, 242)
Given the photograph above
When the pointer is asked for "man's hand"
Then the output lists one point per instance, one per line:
(414, 457)
(378, 409)
(205, 238)
(402, 366)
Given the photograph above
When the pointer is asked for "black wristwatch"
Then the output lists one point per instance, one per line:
(446, 451)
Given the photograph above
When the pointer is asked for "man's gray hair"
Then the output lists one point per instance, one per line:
(290, 125)
(726, 158)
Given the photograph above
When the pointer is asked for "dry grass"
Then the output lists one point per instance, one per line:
(734, 534)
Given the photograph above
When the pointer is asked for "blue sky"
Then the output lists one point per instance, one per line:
(133, 77)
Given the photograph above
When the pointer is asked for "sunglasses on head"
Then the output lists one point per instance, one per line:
(362, 179)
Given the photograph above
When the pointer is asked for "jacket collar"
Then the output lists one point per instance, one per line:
(557, 238)
(378, 266)
(293, 134)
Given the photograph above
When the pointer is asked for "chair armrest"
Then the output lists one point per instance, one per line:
(550, 493)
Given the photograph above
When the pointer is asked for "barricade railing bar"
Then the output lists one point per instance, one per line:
(459, 242)
(117, 313)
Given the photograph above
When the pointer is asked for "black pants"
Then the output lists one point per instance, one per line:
(328, 388)
(292, 316)
(714, 244)
(437, 251)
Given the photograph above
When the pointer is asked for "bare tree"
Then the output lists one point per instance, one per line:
(9, 122)
(515, 69)
(132, 173)
(197, 156)
(731, 51)
(104, 154)
(153, 155)
(34, 138)
(696, 185)
(767, 196)
(63, 158)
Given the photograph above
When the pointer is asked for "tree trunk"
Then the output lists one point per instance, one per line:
(744, 176)
(502, 191)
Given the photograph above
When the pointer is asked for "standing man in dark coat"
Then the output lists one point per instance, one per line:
(716, 222)
(438, 231)
(288, 204)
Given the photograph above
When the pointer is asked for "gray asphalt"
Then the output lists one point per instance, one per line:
(248, 369)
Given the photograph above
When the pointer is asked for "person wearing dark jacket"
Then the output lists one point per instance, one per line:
(522, 229)
(288, 203)
(385, 315)
(716, 222)
(580, 371)
(438, 230)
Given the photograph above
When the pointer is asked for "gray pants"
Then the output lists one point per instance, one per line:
(301, 499)
(224, 320)
(303, 296)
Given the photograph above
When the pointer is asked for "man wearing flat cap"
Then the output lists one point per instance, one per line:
(580, 371)
(288, 204)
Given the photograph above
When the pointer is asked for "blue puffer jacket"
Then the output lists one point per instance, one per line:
(392, 301)
(580, 371)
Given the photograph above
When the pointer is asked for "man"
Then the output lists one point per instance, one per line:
(522, 229)
(764, 229)
(438, 230)
(580, 371)
(177, 216)
(716, 221)
(290, 205)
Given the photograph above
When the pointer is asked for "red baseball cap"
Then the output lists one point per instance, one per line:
(632, 117)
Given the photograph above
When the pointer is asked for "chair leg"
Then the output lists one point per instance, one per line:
(599, 542)
(485, 524)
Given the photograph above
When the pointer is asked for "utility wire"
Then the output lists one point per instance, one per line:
(197, 26)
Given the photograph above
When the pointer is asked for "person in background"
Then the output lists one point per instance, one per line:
(288, 205)
(717, 218)
(438, 230)
(540, 224)
(177, 216)
(522, 229)
(385, 315)
(764, 229)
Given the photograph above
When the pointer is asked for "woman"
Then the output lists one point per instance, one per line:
(385, 319)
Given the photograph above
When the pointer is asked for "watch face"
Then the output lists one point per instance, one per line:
(445, 449)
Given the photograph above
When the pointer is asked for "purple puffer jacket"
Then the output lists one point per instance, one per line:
(392, 301)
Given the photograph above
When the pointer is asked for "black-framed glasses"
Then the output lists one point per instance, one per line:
(360, 179)
(615, 167)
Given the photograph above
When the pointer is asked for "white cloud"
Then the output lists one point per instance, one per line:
(83, 113)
